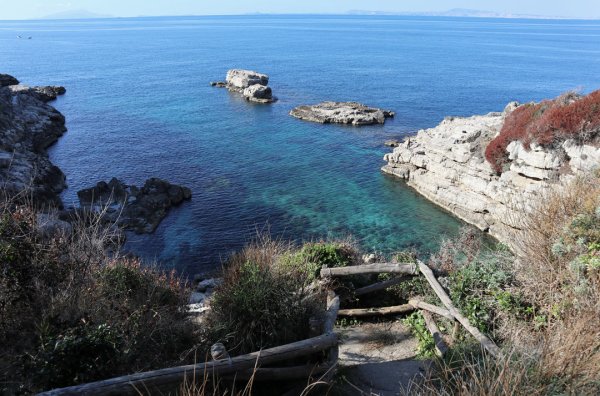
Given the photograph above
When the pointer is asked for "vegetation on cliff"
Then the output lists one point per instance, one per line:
(543, 305)
(71, 312)
(547, 123)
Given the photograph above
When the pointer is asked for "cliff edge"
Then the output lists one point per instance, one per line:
(448, 165)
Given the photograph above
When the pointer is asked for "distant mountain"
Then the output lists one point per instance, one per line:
(456, 12)
(76, 14)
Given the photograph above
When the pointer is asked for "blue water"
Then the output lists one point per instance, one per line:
(138, 104)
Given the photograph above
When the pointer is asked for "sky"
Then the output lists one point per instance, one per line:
(31, 9)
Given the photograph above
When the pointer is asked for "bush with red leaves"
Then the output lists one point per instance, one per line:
(547, 123)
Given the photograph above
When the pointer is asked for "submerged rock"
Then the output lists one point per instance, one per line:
(140, 209)
(342, 113)
(392, 143)
(252, 85)
(28, 126)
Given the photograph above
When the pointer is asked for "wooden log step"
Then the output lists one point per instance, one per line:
(396, 309)
(378, 268)
(431, 308)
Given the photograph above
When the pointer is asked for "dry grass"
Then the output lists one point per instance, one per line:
(555, 349)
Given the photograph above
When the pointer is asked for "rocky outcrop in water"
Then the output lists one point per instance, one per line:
(447, 165)
(252, 85)
(28, 126)
(342, 113)
(140, 209)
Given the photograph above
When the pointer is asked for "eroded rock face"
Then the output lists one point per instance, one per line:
(447, 165)
(252, 85)
(342, 113)
(28, 126)
(258, 93)
(241, 79)
(140, 209)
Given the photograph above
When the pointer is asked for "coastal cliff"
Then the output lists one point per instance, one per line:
(447, 164)
(28, 126)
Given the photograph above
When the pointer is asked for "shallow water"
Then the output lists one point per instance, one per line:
(138, 105)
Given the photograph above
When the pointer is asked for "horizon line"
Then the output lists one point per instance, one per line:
(347, 14)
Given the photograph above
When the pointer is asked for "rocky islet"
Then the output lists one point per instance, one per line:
(252, 85)
(352, 113)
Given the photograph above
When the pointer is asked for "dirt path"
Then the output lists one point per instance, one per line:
(377, 359)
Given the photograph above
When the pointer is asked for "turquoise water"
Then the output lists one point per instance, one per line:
(138, 104)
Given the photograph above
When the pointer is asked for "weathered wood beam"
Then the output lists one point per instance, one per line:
(378, 268)
(431, 308)
(396, 309)
(173, 376)
(441, 293)
(333, 307)
(440, 346)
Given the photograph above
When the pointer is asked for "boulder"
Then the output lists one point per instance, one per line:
(252, 85)
(43, 93)
(392, 143)
(239, 79)
(6, 80)
(140, 209)
(342, 113)
(258, 93)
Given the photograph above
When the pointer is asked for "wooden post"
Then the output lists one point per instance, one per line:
(173, 376)
(333, 307)
(401, 268)
(439, 290)
(440, 345)
(397, 309)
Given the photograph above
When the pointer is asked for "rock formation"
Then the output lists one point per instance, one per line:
(252, 85)
(342, 113)
(447, 165)
(28, 126)
(140, 209)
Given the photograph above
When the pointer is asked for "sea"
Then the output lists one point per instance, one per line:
(139, 105)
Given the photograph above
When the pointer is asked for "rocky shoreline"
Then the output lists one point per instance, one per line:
(447, 165)
(28, 127)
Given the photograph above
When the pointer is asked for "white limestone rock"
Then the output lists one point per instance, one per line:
(447, 165)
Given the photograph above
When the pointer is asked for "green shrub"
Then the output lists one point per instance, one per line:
(478, 290)
(82, 354)
(426, 345)
(313, 256)
(258, 306)
(71, 312)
